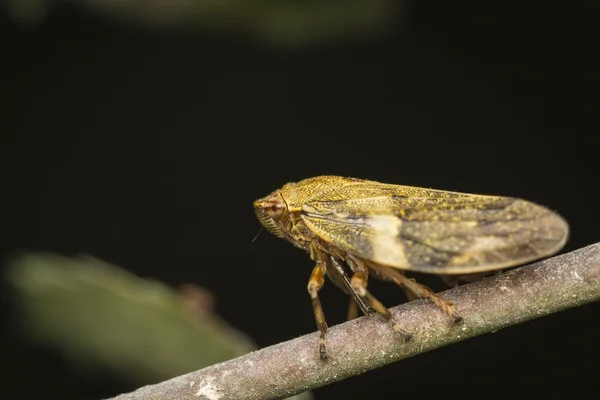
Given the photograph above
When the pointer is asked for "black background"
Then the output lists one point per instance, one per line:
(147, 150)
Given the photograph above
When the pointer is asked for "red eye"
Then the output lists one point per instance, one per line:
(274, 208)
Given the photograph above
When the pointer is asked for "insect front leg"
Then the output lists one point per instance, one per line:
(359, 285)
(315, 283)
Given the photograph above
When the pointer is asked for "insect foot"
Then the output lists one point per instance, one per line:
(446, 306)
(456, 318)
(322, 349)
(403, 334)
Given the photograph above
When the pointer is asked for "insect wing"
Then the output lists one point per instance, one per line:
(436, 231)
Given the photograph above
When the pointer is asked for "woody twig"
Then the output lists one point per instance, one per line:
(288, 368)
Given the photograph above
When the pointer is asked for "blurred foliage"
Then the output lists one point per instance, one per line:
(101, 316)
(276, 22)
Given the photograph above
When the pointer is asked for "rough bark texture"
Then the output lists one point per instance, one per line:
(279, 371)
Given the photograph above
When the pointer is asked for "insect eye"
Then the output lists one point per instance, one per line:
(274, 209)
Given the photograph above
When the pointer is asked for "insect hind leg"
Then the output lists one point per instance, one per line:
(359, 285)
(417, 289)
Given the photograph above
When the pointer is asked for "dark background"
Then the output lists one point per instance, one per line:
(146, 149)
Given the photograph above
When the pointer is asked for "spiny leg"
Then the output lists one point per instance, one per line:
(419, 290)
(344, 284)
(359, 284)
(338, 276)
(315, 283)
(410, 295)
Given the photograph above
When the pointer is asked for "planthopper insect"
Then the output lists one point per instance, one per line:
(382, 230)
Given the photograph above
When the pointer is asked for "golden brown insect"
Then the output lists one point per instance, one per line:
(383, 229)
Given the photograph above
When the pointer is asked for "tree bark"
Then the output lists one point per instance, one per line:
(288, 368)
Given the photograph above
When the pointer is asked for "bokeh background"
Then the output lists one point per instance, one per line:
(140, 132)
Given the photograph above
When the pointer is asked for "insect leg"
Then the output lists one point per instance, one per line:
(336, 273)
(344, 284)
(352, 309)
(359, 284)
(419, 290)
(315, 283)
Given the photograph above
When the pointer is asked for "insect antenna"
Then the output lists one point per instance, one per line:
(259, 231)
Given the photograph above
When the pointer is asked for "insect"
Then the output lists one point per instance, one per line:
(383, 230)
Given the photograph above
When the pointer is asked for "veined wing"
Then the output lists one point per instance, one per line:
(436, 232)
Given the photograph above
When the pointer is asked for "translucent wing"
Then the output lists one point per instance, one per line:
(434, 231)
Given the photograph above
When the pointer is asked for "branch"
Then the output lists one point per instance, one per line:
(279, 371)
